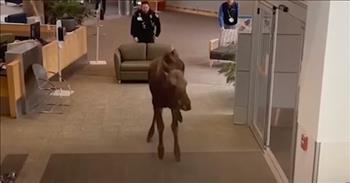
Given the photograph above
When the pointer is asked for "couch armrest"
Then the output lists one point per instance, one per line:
(213, 44)
(117, 64)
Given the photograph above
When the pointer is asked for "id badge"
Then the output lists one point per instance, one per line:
(139, 19)
(231, 20)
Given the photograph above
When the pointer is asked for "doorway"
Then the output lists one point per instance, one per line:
(276, 69)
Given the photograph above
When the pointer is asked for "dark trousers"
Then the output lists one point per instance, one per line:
(146, 40)
(103, 4)
(103, 8)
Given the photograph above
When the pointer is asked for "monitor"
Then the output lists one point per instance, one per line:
(35, 30)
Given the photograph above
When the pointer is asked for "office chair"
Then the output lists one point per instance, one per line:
(51, 89)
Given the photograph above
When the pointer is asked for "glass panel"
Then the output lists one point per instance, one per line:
(262, 73)
(285, 86)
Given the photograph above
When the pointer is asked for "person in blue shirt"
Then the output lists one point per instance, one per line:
(228, 14)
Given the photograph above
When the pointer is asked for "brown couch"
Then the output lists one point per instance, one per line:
(132, 60)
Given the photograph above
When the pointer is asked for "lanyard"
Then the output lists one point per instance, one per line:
(228, 10)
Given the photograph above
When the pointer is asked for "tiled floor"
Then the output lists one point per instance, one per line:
(112, 120)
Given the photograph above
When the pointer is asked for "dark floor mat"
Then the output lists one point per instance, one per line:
(220, 167)
(13, 163)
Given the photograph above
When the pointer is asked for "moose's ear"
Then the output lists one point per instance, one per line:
(174, 52)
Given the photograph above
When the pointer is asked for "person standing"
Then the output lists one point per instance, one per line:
(228, 14)
(228, 18)
(145, 24)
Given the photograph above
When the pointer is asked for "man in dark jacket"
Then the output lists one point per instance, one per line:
(228, 14)
(145, 24)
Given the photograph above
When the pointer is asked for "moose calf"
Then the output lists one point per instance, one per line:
(168, 88)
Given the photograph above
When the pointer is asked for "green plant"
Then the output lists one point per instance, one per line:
(62, 9)
(229, 70)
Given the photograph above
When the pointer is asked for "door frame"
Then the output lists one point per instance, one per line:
(263, 139)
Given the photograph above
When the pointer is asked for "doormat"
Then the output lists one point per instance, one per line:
(13, 163)
(204, 167)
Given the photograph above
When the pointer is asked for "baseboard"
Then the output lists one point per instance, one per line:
(192, 11)
(275, 167)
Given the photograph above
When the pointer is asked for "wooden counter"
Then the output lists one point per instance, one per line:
(11, 87)
(73, 48)
(19, 29)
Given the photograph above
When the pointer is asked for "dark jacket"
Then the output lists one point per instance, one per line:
(226, 12)
(145, 26)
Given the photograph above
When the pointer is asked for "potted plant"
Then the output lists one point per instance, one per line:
(229, 70)
(71, 12)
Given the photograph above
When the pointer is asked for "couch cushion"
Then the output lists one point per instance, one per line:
(223, 53)
(135, 65)
(155, 50)
(133, 51)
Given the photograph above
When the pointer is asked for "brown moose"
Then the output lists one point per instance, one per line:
(168, 88)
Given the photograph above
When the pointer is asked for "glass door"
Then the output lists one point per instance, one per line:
(287, 63)
(279, 39)
(262, 64)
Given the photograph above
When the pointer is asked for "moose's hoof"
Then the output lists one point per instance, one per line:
(150, 135)
(160, 152)
(177, 156)
(149, 139)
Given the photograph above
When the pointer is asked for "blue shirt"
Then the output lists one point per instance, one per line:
(222, 13)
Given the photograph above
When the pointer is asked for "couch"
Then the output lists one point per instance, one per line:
(133, 60)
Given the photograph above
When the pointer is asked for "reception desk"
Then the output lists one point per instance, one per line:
(73, 48)
(46, 31)
(14, 89)
(11, 91)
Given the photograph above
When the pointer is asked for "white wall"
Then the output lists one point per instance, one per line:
(246, 6)
(310, 86)
(333, 130)
(324, 94)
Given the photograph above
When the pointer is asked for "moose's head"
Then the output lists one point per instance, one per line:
(178, 82)
(173, 61)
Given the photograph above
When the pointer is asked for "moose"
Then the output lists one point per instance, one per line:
(168, 88)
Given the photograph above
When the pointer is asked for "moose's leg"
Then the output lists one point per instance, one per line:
(174, 127)
(160, 127)
(179, 117)
(151, 130)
